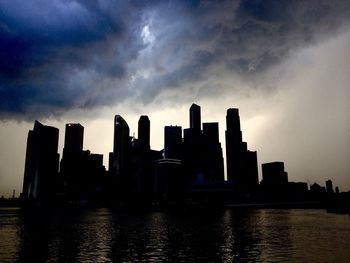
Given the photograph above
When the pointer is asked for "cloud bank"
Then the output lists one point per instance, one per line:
(62, 55)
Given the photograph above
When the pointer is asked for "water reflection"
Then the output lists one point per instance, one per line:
(9, 240)
(95, 236)
(275, 244)
(157, 238)
(239, 239)
(231, 235)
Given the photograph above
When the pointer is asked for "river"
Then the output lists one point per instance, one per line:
(225, 235)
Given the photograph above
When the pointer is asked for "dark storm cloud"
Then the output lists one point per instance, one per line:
(46, 45)
(251, 35)
(60, 55)
(235, 37)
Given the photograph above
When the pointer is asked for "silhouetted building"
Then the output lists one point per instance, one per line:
(212, 153)
(168, 174)
(188, 170)
(94, 173)
(173, 142)
(72, 165)
(142, 172)
(195, 118)
(141, 179)
(234, 147)
(329, 187)
(121, 147)
(317, 189)
(193, 156)
(120, 160)
(144, 132)
(242, 164)
(169, 181)
(273, 174)
(337, 190)
(296, 191)
(317, 193)
(41, 167)
(82, 173)
(74, 137)
(251, 177)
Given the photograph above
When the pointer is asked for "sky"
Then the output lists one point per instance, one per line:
(284, 64)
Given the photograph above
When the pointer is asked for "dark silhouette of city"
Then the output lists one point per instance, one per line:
(188, 171)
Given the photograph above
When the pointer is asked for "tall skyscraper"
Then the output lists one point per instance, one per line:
(74, 137)
(172, 142)
(251, 177)
(195, 118)
(193, 156)
(121, 136)
(168, 173)
(120, 160)
(121, 147)
(72, 163)
(144, 132)
(141, 170)
(211, 132)
(41, 166)
(212, 153)
(234, 147)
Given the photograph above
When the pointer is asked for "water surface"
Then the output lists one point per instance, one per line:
(228, 235)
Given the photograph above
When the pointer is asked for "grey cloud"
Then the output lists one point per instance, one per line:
(62, 55)
(242, 37)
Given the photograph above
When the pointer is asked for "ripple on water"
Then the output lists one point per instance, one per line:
(104, 235)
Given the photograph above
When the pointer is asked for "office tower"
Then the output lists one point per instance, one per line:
(195, 118)
(95, 173)
(211, 132)
(168, 173)
(41, 164)
(234, 147)
(212, 152)
(168, 183)
(141, 178)
(120, 169)
(193, 156)
(72, 163)
(251, 178)
(173, 142)
(121, 146)
(74, 136)
(329, 187)
(111, 163)
(144, 132)
(121, 137)
(273, 174)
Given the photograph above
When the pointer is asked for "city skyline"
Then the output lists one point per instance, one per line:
(284, 65)
(188, 170)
